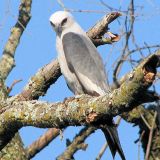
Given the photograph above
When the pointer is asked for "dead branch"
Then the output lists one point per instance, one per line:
(96, 33)
(139, 143)
(128, 33)
(150, 137)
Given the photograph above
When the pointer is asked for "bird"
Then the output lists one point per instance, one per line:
(82, 67)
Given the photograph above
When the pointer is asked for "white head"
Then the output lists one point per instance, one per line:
(61, 20)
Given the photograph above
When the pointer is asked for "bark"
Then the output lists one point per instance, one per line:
(79, 110)
(41, 81)
(7, 61)
(14, 149)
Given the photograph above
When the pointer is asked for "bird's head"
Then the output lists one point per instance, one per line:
(61, 20)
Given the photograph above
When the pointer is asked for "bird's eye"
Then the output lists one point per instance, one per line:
(64, 22)
(52, 24)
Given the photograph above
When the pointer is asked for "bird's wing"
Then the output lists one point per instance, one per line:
(84, 60)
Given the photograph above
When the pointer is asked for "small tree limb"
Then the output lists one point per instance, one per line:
(77, 142)
(150, 137)
(7, 61)
(42, 142)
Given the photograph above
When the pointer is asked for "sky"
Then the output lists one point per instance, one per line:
(37, 48)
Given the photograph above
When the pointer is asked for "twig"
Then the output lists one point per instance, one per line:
(61, 4)
(13, 84)
(106, 5)
(126, 47)
(139, 143)
(144, 120)
(143, 48)
(101, 152)
(150, 137)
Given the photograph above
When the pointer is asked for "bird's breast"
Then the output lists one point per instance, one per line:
(69, 76)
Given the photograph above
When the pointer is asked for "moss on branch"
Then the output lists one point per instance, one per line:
(7, 61)
(14, 149)
(79, 110)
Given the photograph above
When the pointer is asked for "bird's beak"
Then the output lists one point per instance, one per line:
(59, 29)
(56, 27)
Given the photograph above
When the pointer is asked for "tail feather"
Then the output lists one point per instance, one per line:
(112, 138)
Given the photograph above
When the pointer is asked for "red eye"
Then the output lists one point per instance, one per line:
(64, 22)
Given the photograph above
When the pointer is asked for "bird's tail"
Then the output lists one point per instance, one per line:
(111, 135)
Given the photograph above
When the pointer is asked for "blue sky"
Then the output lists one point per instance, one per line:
(37, 47)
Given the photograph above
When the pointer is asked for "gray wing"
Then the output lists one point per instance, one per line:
(84, 60)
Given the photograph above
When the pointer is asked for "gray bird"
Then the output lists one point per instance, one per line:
(82, 67)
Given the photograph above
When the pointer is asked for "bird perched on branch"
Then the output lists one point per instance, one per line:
(82, 67)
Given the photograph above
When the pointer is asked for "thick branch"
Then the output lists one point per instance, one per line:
(14, 150)
(7, 60)
(97, 32)
(41, 81)
(100, 28)
(80, 110)
(126, 76)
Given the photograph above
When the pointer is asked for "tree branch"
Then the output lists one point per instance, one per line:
(6, 65)
(7, 61)
(134, 116)
(41, 81)
(126, 76)
(150, 137)
(42, 142)
(77, 142)
(97, 32)
(80, 110)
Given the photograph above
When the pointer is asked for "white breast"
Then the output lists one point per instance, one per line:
(70, 77)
